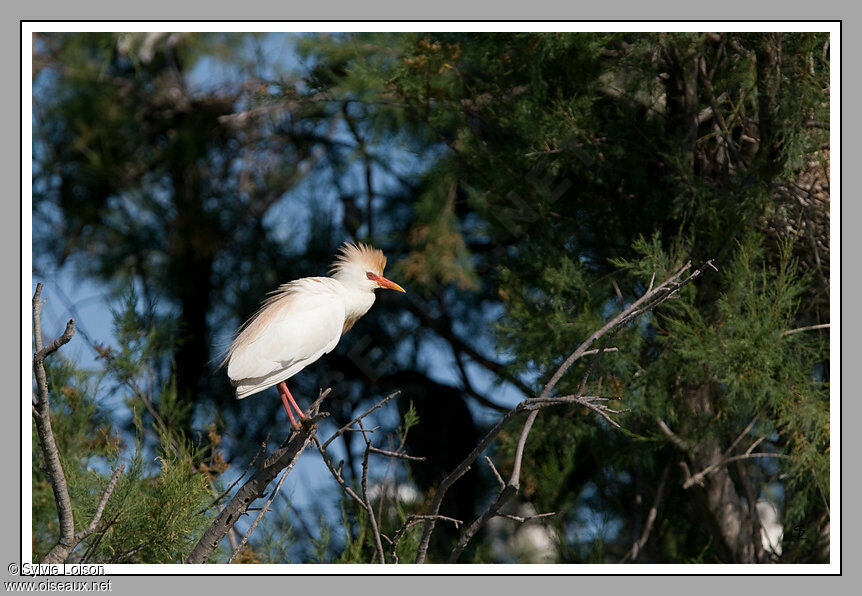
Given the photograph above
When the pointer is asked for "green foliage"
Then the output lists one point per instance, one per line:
(408, 421)
(358, 534)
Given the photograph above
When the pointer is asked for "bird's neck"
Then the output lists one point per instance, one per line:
(356, 303)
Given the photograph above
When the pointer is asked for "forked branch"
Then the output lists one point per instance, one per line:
(69, 539)
(653, 297)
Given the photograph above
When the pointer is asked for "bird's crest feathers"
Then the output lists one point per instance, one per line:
(350, 254)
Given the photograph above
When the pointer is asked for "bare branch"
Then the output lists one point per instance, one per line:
(396, 454)
(596, 351)
(496, 473)
(522, 520)
(744, 432)
(284, 457)
(47, 442)
(650, 300)
(459, 471)
(411, 521)
(681, 443)
(68, 540)
(651, 517)
(347, 426)
(372, 518)
(260, 452)
(699, 477)
(100, 508)
(260, 515)
(809, 328)
(362, 500)
(509, 490)
(60, 341)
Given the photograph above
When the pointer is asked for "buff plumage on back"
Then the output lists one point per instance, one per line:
(350, 254)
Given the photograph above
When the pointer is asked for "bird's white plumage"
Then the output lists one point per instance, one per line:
(300, 323)
(304, 319)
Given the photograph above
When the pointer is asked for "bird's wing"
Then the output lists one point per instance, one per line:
(294, 328)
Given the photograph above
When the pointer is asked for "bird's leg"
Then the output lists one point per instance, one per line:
(293, 422)
(292, 401)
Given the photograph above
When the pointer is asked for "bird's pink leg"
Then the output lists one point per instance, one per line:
(287, 406)
(283, 386)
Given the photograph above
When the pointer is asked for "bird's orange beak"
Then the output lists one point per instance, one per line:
(385, 283)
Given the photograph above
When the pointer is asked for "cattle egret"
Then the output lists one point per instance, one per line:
(303, 320)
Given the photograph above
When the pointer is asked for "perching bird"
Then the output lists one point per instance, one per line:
(302, 321)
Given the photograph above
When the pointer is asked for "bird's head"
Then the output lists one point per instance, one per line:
(360, 266)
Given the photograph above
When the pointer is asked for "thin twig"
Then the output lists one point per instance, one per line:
(496, 473)
(739, 437)
(336, 473)
(260, 515)
(522, 520)
(698, 478)
(347, 426)
(809, 328)
(411, 521)
(396, 454)
(509, 490)
(651, 517)
(100, 508)
(372, 518)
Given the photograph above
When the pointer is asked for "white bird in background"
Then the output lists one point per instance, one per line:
(302, 321)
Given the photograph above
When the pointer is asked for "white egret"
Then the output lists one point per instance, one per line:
(303, 320)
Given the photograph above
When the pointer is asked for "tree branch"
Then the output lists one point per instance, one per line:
(254, 488)
(652, 298)
(809, 328)
(100, 508)
(651, 517)
(260, 515)
(680, 443)
(347, 426)
(42, 417)
(698, 478)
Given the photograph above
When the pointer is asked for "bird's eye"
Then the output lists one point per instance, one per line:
(371, 276)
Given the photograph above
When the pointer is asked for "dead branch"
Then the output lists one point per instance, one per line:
(260, 515)
(653, 297)
(100, 508)
(42, 417)
(522, 520)
(361, 498)
(395, 454)
(496, 473)
(255, 487)
(651, 517)
(809, 328)
(699, 477)
(411, 521)
(680, 443)
(347, 426)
